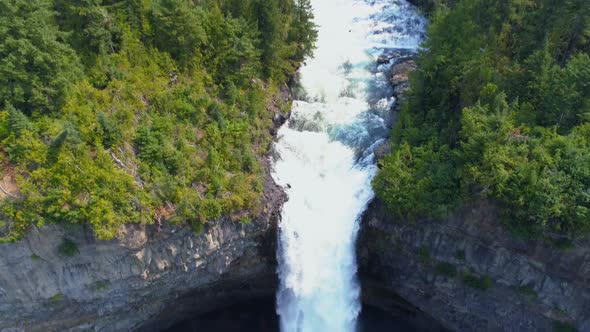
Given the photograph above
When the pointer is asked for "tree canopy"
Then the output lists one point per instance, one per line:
(120, 111)
(36, 62)
(499, 108)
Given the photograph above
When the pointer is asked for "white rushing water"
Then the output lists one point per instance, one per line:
(326, 158)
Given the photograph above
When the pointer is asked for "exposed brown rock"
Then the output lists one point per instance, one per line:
(382, 150)
(400, 73)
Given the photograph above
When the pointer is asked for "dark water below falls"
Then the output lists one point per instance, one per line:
(260, 316)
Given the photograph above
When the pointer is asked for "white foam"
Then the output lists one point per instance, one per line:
(329, 188)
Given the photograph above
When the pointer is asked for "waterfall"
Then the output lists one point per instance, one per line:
(325, 157)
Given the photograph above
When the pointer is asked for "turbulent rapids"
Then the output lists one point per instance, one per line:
(326, 161)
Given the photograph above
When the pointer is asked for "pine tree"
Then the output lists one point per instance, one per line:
(36, 63)
(303, 31)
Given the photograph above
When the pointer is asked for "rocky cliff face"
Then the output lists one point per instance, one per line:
(468, 272)
(471, 274)
(143, 280)
(59, 279)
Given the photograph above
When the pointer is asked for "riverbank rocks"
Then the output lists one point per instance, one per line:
(400, 73)
(387, 58)
(382, 150)
(471, 274)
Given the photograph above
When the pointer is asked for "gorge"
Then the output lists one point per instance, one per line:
(321, 251)
(326, 159)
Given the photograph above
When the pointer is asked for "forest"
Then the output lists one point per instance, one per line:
(499, 109)
(136, 111)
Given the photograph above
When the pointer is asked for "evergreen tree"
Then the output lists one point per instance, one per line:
(36, 63)
(177, 28)
(163, 119)
(93, 29)
(499, 109)
(303, 30)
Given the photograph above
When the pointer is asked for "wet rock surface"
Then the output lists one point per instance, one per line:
(400, 77)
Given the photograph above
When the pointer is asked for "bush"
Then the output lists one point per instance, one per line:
(57, 297)
(446, 269)
(37, 64)
(138, 109)
(101, 285)
(424, 254)
(505, 119)
(460, 255)
(528, 290)
(559, 326)
(68, 248)
(481, 283)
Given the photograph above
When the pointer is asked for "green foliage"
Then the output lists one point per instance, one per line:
(427, 172)
(559, 326)
(498, 108)
(303, 31)
(446, 269)
(101, 285)
(57, 297)
(481, 283)
(133, 111)
(109, 131)
(539, 175)
(562, 243)
(460, 255)
(36, 63)
(177, 28)
(93, 29)
(68, 248)
(424, 255)
(429, 6)
(528, 290)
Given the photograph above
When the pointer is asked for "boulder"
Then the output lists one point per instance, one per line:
(400, 73)
(387, 58)
(382, 150)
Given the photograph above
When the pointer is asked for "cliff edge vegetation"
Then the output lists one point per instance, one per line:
(499, 108)
(134, 111)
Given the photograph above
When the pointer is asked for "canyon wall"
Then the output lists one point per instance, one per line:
(468, 271)
(146, 279)
(62, 278)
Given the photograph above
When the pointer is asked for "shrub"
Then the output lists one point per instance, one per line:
(133, 109)
(505, 119)
(481, 283)
(559, 326)
(446, 269)
(101, 285)
(424, 254)
(528, 290)
(460, 255)
(57, 297)
(68, 248)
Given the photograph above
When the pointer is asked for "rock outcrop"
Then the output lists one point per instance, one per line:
(400, 77)
(471, 274)
(61, 278)
(468, 272)
(143, 280)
